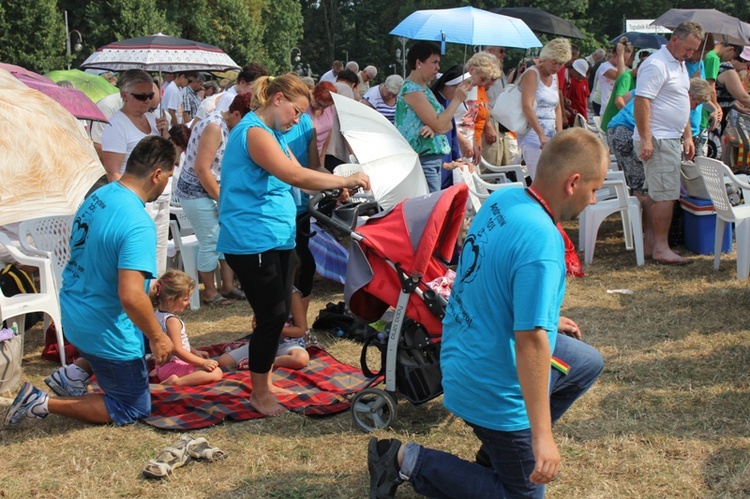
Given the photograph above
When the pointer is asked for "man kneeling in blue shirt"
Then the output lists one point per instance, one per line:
(501, 331)
(104, 302)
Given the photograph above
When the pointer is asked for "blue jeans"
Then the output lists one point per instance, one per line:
(125, 386)
(439, 474)
(431, 165)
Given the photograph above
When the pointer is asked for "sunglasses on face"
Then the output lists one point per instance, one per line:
(143, 97)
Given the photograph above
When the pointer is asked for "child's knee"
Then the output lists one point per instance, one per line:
(216, 374)
(300, 358)
(226, 360)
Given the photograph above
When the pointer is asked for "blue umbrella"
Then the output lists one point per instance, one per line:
(467, 26)
(642, 40)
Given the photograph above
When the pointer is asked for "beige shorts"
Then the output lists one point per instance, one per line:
(662, 169)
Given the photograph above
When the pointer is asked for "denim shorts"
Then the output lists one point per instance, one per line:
(125, 386)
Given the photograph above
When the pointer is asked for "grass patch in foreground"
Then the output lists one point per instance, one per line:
(668, 418)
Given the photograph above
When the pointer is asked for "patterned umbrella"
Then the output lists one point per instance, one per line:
(48, 164)
(95, 86)
(159, 53)
(75, 101)
(330, 256)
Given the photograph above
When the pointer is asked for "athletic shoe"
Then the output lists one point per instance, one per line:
(24, 405)
(63, 386)
(382, 462)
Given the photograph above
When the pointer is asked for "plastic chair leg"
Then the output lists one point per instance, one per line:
(742, 233)
(636, 222)
(718, 239)
(190, 262)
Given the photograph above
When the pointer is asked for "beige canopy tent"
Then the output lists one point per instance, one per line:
(47, 163)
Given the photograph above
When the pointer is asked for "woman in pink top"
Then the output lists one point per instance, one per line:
(322, 113)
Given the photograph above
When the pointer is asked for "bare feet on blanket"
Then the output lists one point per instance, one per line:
(172, 380)
(266, 404)
(277, 390)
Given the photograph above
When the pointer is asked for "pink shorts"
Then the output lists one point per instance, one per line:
(176, 366)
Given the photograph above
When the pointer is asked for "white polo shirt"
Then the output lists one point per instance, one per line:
(665, 81)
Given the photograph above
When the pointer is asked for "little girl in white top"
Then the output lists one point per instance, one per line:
(188, 366)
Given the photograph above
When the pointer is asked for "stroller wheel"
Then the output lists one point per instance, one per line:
(373, 409)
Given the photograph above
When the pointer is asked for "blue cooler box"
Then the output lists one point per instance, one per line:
(699, 225)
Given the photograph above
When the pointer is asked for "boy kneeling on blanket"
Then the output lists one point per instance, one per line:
(113, 241)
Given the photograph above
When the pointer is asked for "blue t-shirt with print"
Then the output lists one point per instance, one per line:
(298, 138)
(111, 231)
(510, 277)
(256, 209)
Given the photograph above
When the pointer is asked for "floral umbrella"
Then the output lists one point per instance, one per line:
(48, 164)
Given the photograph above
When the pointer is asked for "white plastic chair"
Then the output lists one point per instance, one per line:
(50, 237)
(630, 211)
(518, 170)
(713, 173)
(480, 188)
(46, 300)
(185, 248)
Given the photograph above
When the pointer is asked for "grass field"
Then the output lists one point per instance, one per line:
(669, 417)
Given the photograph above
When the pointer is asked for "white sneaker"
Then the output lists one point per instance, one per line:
(63, 386)
(25, 406)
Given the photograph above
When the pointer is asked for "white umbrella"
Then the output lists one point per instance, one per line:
(159, 53)
(48, 164)
(383, 153)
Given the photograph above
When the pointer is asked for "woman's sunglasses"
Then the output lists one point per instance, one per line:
(143, 97)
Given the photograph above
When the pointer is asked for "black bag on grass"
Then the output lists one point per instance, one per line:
(14, 281)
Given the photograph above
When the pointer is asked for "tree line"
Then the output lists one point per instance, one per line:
(32, 34)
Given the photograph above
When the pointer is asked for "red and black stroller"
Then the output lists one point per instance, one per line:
(393, 257)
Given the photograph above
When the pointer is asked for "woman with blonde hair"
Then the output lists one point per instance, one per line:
(540, 101)
(484, 69)
(257, 217)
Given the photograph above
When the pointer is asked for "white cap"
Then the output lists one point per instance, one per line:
(581, 66)
(746, 53)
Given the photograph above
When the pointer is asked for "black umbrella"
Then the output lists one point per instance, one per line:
(730, 29)
(642, 40)
(541, 21)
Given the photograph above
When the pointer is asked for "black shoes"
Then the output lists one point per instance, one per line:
(382, 461)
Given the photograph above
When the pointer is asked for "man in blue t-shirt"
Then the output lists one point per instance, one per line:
(105, 308)
(511, 364)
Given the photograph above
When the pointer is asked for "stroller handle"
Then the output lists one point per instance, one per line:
(312, 207)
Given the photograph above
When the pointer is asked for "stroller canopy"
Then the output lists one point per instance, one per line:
(416, 234)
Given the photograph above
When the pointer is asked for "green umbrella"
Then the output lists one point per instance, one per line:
(92, 85)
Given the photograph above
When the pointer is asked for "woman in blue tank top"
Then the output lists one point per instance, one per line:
(257, 217)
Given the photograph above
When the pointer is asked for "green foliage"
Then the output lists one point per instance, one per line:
(235, 26)
(283, 22)
(122, 19)
(32, 34)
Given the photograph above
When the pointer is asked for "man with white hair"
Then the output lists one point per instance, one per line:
(352, 66)
(662, 108)
(367, 74)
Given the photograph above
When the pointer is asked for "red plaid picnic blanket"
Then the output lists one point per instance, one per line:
(320, 388)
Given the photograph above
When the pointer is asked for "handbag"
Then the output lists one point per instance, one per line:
(692, 181)
(508, 110)
(11, 353)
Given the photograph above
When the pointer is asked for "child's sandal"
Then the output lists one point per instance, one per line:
(199, 448)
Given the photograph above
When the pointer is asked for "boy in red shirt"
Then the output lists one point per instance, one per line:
(577, 92)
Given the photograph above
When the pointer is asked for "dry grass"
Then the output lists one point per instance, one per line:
(668, 418)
